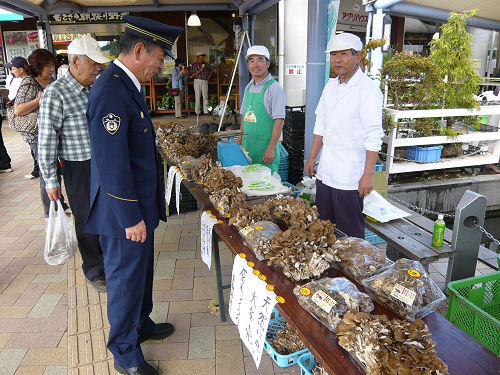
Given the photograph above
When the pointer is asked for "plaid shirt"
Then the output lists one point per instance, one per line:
(204, 74)
(62, 127)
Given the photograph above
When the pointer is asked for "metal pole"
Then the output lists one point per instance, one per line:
(317, 30)
(243, 72)
(245, 33)
(466, 236)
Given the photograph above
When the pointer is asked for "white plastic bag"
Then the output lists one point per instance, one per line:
(60, 236)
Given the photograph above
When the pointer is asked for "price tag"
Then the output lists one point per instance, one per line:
(246, 230)
(323, 300)
(403, 294)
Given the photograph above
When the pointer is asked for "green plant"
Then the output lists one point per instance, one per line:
(412, 80)
(452, 53)
(212, 101)
(387, 123)
(368, 47)
(426, 127)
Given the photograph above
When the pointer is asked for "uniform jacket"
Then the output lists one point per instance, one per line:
(125, 186)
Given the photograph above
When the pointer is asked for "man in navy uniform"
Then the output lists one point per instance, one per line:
(125, 194)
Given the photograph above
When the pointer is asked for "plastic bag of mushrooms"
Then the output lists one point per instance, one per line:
(358, 258)
(328, 299)
(406, 288)
(389, 347)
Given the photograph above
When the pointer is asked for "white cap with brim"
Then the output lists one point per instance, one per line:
(345, 41)
(258, 50)
(88, 46)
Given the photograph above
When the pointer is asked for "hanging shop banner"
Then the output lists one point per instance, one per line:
(87, 18)
(20, 43)
(250, 305)
(65, 38)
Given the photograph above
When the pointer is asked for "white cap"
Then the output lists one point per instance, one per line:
(258, 50)
(440, 216)
(345, 41)
(88, 46)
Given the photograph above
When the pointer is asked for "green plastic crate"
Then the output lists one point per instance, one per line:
(475, 308)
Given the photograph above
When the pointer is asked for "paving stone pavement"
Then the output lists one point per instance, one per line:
(53, 323)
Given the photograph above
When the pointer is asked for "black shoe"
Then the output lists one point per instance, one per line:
(99, 285)
(143, 369)
(161, 331)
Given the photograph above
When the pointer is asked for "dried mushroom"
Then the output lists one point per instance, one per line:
(227, 198)
(286, 341)
(300, 254)
(246, 215)
(358, 258)
(293, 212)
(218, 179)
(406, 288)
(390, 347)
(203, 168)
(258, 237)
(328, 299)
(323, 228)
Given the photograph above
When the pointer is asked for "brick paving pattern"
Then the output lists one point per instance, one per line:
(53, 323)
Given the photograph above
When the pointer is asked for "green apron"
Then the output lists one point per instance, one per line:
(259, 128)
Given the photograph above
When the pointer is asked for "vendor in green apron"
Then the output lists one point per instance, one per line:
(263, 111)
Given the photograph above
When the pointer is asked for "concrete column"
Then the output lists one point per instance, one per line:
(317, 17)
(377, 33)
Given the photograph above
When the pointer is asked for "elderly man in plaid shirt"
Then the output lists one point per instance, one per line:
(201, 73)
(63, 133)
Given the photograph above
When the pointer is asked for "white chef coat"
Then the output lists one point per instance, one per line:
(349, 118)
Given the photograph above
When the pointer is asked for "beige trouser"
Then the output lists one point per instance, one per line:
(201, 87)
(178, 104)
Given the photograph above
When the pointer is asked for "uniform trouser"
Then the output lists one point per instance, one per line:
(178, 103)
(129, 283)
(43, 192)
(77, 181)
(201, 87)
(341, 207)
(4, 156)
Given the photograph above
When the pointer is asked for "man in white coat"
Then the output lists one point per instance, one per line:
(349, 130)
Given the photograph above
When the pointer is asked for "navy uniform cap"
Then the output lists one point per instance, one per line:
(153, 31)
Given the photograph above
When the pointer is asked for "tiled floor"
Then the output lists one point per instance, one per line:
(52, 323)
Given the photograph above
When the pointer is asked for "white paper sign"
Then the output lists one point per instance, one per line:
(178, 180)
(250, 307)
(170, 181)
(376, 206)
(207, 222)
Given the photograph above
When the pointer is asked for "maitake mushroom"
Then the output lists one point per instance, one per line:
(220, 178)
(300, 254)
(293, 212)
(286, 341)
(390, 347)
(328, 299)
(245, 215)
(358, 258)
(223, 200)
(404, 287)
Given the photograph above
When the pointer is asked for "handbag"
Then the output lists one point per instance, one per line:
(25, 124)
(173, 92)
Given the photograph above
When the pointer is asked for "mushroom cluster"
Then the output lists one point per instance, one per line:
(358, 258)
(178, 142)
(225, 199)
(220, 178)
(246, 215)
(406, 288)
(286, 341)
(319, 370)
(393, 347)
(293, 212)
(328, 299)
(300, 254)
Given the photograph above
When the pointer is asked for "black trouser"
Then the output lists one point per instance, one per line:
(77, 181)
(4, 156)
